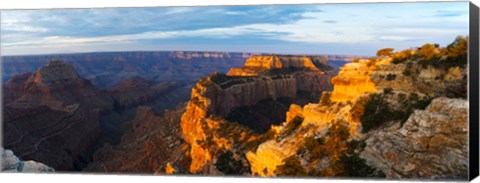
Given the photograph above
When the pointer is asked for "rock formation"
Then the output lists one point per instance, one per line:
(11, 163)
(431, 144)
(109, 68)
(316, 119)
(54, 109)
(57, 86)
(54, 118)
(214, 97)
(259, 64)
(393, 117)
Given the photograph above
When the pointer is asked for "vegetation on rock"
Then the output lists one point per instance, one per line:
(291, 167)
(378, 111)
(228, 165)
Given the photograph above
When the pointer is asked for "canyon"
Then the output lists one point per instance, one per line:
(106, 69)
(43, 108)
(380, 120)
(271, 115)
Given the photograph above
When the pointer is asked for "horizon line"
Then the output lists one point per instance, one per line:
(260, 53)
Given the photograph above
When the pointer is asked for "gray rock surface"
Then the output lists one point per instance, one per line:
(11, 163)
(433, 143)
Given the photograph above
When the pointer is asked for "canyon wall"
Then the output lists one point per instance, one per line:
(422, 148)
(56, 117)
(335, 107)
(106, 69)
(214, 97)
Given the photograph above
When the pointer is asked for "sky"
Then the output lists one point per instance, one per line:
(344, 29)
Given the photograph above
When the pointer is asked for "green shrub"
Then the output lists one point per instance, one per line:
(377, 110)
(325, 98)
(400, 57)
(397, 61)
(229, 165)
(315, 147)
(402, 96)
(354, 166)
(413, 103)
(376, 113)
(408, 70)
(339, 130)
(385, 52)
(387, 90)
(291, 167)
(427, 52)
(291, 126)
(391, 77)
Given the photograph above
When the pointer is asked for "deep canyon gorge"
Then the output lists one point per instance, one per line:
(212, 113)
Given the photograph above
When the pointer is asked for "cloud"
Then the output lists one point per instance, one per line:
(110, 21)
(396, 38)
(279, 28)
(22, 28)
(217, 33)
(330, 21)
(446, 13)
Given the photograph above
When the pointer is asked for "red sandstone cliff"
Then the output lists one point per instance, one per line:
(214, 97)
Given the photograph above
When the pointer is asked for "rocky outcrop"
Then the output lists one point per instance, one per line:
(214, 97)
(57, 86)
(56, 72)
(207, 135)
(340, 106)
(54, 119)
(429, 80)
(354, 80)
(431, 144)
(11, 163)
(422, 148)
(259, 64)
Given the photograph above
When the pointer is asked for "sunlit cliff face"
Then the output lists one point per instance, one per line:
(202, 123)
(341, 106)
(256, 65)
(207, 134)
(192, 119)
(199, 126)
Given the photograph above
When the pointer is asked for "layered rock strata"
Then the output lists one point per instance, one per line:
(431, 144)
(214, 97)
(336, 107)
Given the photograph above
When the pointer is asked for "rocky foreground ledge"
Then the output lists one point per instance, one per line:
(11, 164)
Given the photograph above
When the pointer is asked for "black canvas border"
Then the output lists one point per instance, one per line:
(473, 90)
